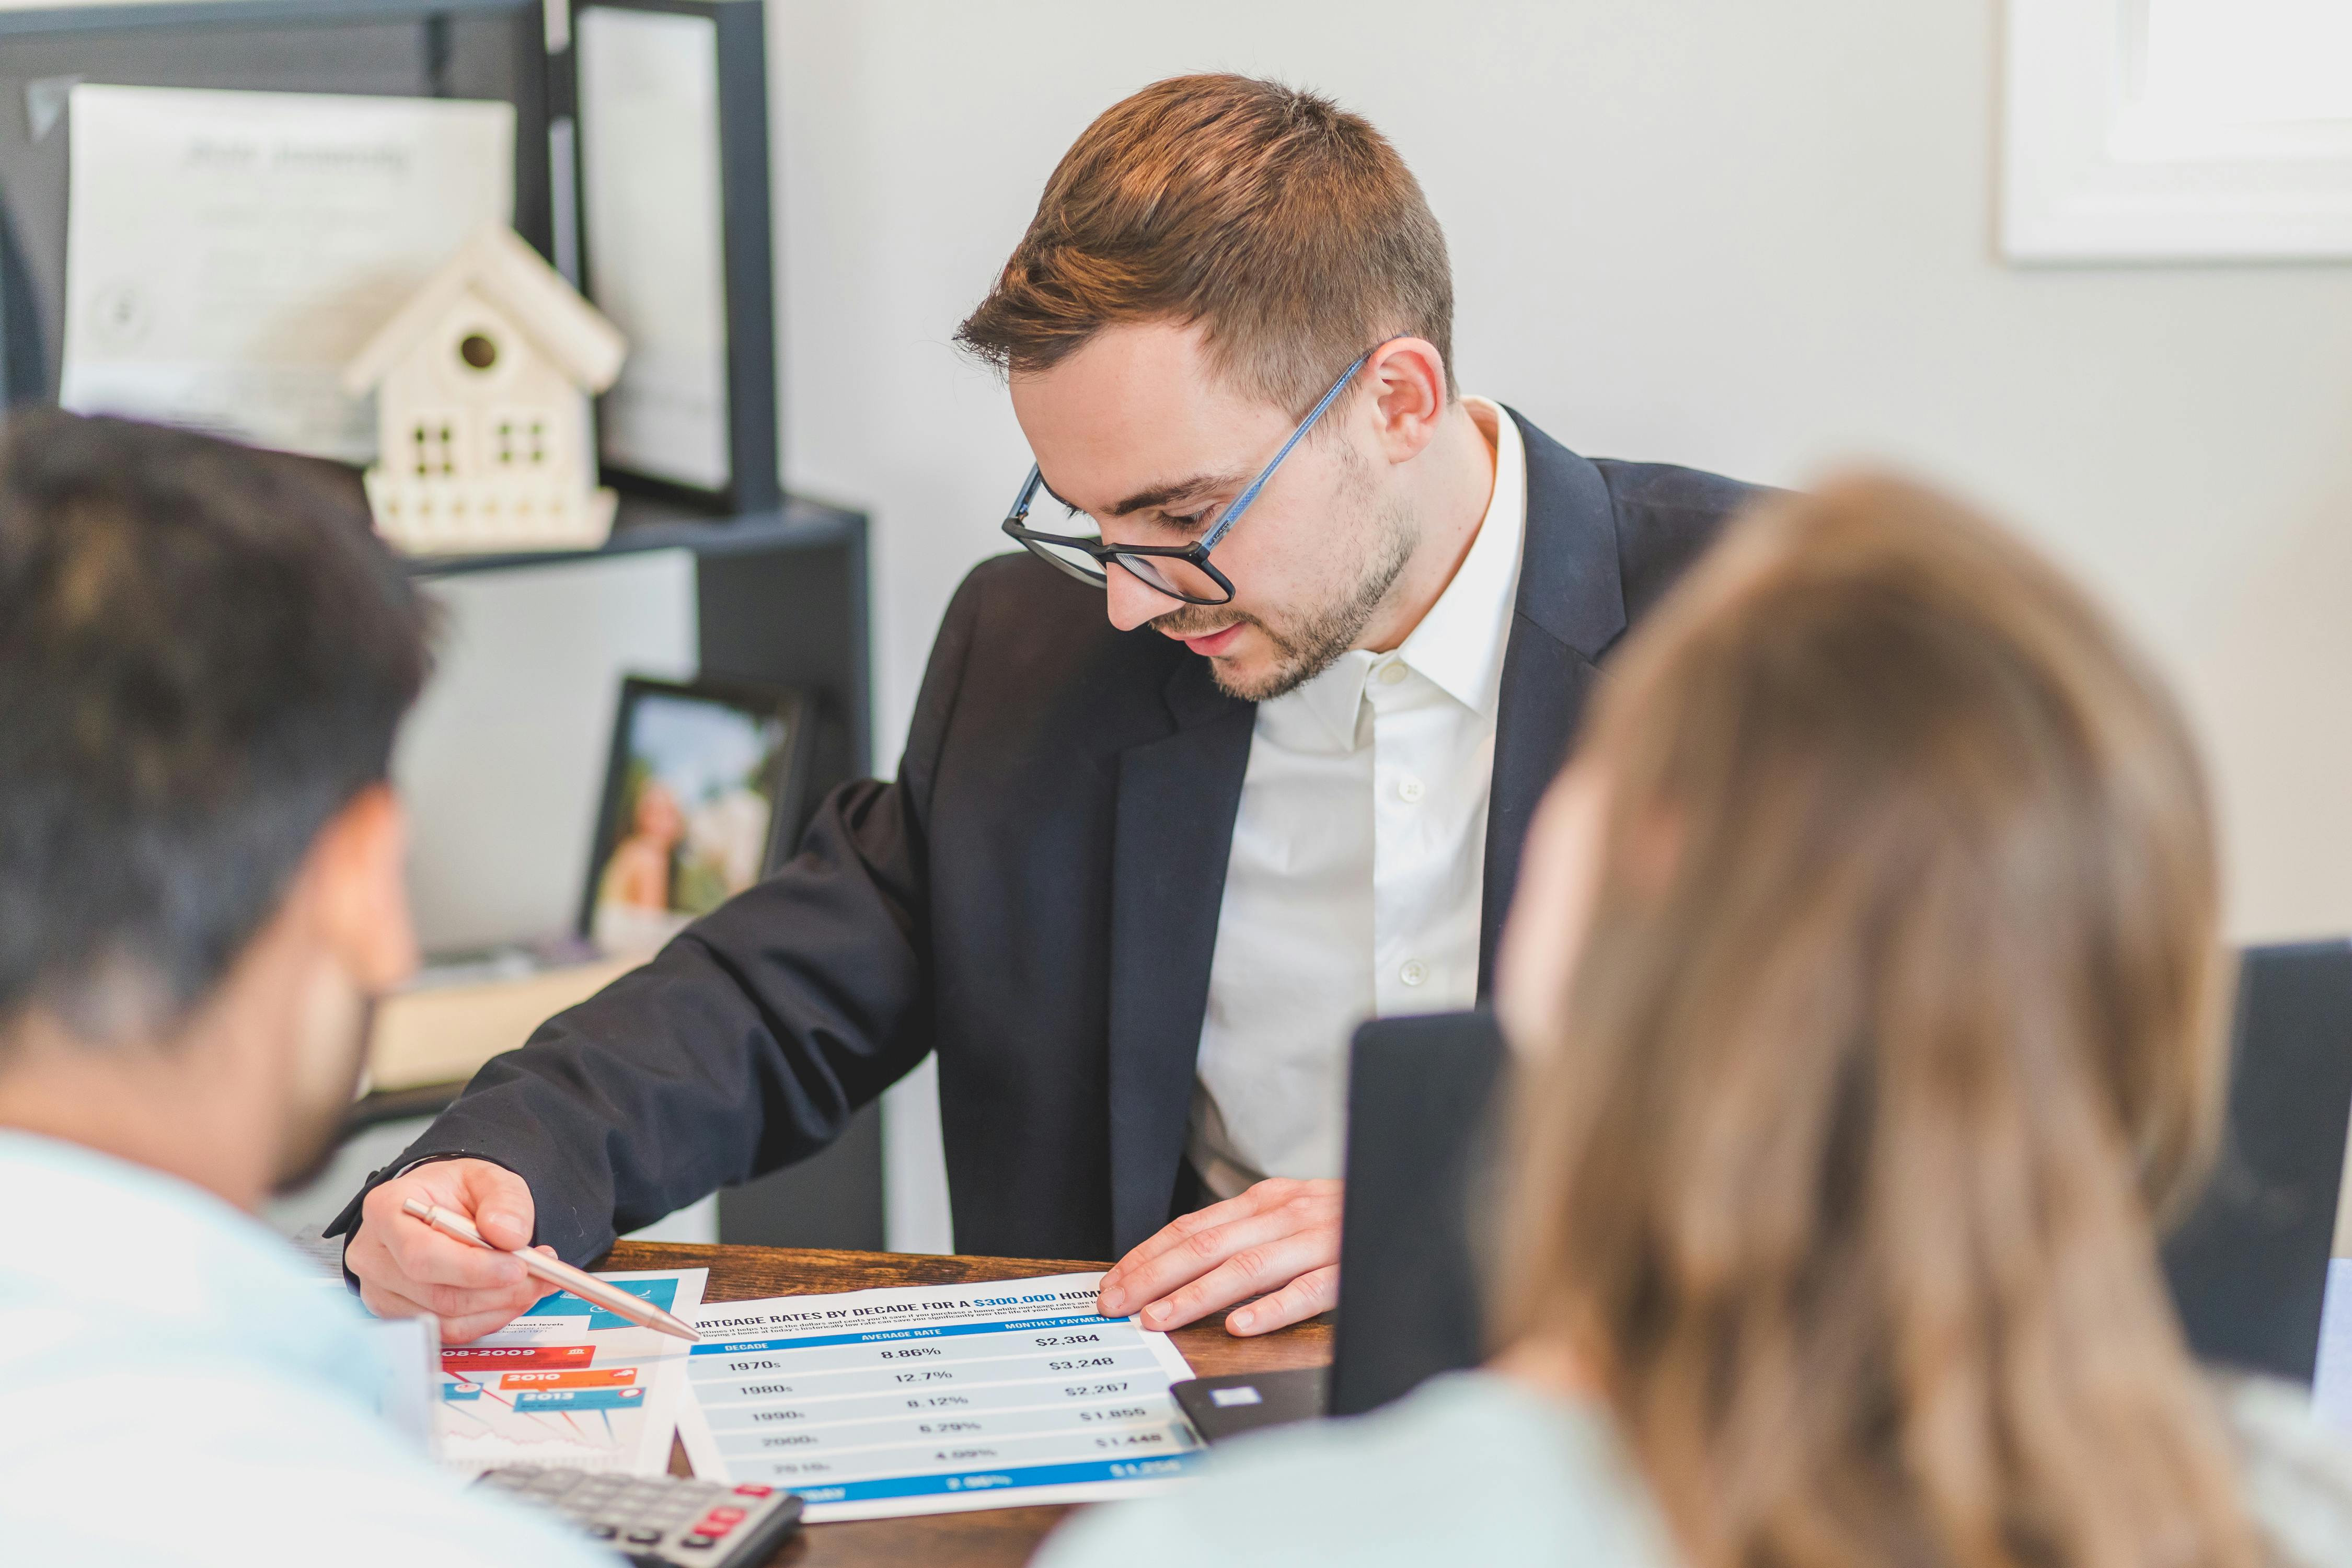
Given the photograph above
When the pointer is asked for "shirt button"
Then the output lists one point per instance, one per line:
(1391, 674)
(1413, 972)
(1410, 790)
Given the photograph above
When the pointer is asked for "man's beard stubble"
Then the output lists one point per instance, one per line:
(1309, 644)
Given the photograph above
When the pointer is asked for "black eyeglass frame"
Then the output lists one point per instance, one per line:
(1038, 543)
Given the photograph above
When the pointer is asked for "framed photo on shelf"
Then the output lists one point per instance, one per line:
(671, 103)
(704, 794)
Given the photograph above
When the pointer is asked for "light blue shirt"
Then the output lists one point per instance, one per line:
(1470, 1468)
(177, 1389)
(1473, 1468)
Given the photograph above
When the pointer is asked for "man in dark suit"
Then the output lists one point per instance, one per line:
(1141, 873)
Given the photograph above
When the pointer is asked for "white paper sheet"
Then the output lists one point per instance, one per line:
(2331, 1393)
(937, 1399)
(228, 253)
(569, 1383)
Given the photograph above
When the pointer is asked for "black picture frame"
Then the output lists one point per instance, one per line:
(746, 245)
(789, 775)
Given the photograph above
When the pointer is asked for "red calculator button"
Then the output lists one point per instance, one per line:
(754, 1492)
(713, 1527)
(728, 1515)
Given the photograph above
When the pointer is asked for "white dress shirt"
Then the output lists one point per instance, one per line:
(1359, 856)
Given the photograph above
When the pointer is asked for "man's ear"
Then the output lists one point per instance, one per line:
(1409, 400)
(362, 894)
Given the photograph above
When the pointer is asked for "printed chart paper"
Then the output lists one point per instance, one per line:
(937, 1399)
(571, 1384)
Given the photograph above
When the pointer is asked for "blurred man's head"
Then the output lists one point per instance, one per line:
(1207, 259)
(204, 652)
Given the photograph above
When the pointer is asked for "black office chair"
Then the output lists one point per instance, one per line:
(2248, 1267)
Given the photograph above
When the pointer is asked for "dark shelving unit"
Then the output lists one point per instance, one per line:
(782, 599)
(781, 592)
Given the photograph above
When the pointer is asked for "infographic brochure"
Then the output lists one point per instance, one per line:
(936, 1399)
(571, 1384)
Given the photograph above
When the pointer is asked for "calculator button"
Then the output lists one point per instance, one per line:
(754, 1492)
(602, 1532)
(643, 1536)
(728, 1515)
(693, 1541)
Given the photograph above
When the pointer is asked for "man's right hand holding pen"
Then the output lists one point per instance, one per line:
(406, 1268)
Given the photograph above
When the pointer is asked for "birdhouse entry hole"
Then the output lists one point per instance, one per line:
(478, 351)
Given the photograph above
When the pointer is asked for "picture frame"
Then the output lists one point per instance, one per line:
(2128, 137)
(706, 792)
(669, 101)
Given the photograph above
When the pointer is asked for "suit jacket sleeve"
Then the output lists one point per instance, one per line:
(749, 1041)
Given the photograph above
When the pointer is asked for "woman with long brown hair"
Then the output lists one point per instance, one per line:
(1864, 972)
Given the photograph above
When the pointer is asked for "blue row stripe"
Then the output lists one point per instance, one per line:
(998, 1481)
(876, 1336)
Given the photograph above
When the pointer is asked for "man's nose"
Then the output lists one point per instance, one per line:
(1131, 601)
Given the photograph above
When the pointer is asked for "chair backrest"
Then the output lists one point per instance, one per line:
(1420, 1147)
(2248, 1267)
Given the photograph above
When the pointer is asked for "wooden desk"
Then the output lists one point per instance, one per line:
(1003, 1536)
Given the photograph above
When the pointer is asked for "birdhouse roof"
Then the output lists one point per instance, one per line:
(497, 265)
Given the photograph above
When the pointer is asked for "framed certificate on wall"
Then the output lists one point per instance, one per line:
(675, 248)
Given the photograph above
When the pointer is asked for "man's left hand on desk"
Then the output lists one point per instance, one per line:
(1279, 1240)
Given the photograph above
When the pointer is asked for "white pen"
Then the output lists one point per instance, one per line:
(585, 1286)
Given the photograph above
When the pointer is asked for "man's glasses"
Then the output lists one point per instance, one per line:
(1179, 571)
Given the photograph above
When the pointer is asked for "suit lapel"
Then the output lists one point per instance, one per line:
(1571, 607)
(1172, 835)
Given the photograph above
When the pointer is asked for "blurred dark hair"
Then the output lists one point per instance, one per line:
(205, 651)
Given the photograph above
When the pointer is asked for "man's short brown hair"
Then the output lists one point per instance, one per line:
(1288, 228)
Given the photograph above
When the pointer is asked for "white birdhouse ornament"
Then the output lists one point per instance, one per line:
(482, 381)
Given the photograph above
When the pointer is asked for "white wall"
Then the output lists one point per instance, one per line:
(1755, 238)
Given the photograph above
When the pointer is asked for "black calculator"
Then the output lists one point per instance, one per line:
(658, 1521)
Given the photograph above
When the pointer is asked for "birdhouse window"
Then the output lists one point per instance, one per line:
(478, 351)
(519, 438)
(433, 443)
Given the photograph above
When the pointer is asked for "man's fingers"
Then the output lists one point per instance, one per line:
(452, 1302)
(425, 1256)
(500, 1202)
(1249, 1272)
(469, 1321)
(1120, 1289)
(387, 1302)
(1193, 1256)
(1316, 1290)
(1119, 1285)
